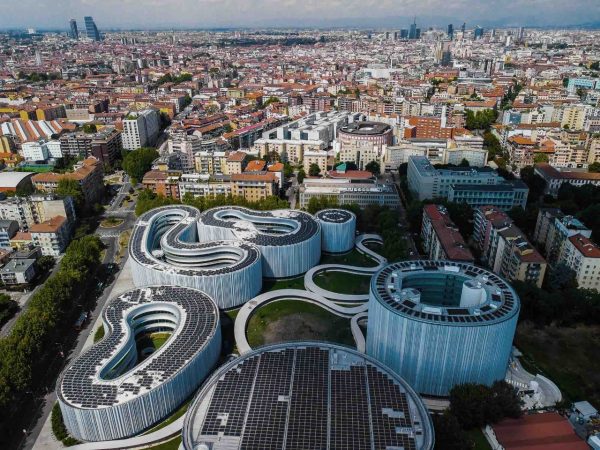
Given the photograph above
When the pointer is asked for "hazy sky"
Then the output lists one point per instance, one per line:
(216, 13)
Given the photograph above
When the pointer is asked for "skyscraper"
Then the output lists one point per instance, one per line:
(90, 29)
(450, 31)
(463, 27)
(412, 34)
(478, 34)
(74, 33)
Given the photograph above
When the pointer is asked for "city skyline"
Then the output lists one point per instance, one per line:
(270, 13)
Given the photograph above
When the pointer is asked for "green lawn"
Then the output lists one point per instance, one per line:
(568, 356)
(99, 334)
(153, 340)
(289, 320)
(343, 283)
(290, 283)
(173, 444)
(481, 443)
(353, 258)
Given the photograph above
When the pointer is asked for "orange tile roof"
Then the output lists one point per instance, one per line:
(256, 165)
(268, 177)
(585, 246)
(236, 157)
(49, 226)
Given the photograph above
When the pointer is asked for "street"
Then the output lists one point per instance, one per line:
(110, 237)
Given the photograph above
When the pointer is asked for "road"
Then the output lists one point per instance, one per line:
(110, 237)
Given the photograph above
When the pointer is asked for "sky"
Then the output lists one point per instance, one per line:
(151, 14)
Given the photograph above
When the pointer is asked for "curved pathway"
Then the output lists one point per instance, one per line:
(311, 286)
(246, 311)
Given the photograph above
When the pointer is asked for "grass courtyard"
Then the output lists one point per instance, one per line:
(343, 283)
(352, 258)
(292, 320)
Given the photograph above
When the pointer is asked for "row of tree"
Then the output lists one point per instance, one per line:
(29, 349)
(481, 120)
(148, 200)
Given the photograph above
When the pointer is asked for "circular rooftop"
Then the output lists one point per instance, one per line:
(107, 374)
(302, 396)
(445, 292)
(366, 128)
(335, 215)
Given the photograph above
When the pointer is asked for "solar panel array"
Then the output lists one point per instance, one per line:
(307, 226)
(81, 384)
(175, 222)
(300, 397)
(505, 304)
(334, 215)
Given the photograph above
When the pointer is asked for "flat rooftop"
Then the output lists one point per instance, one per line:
(303, 396)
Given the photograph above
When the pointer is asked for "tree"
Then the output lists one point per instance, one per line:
(525, 219)
(90, 128)
(534, 182)
(68, 187)
(448, 433)
(373, 167)
(403, 169)
(138, 162)
(288, 170)
(314, 170)
(477, 405)
(481, 120)
(301, 176)
(464, 163)
(594, 167)
(540, 158)
(561, 277)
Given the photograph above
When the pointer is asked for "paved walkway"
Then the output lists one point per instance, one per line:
(309, 276)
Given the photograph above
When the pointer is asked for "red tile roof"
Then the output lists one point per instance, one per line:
(547, 431)
(450, 238)
(256, 165)
(585, 246)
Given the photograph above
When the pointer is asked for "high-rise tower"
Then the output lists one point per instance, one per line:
(74, 32)
(91, 30)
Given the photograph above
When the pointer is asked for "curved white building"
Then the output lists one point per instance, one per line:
(338, 229)
(305, 396)
(289, 240)
(105, 394)
(166, 248)
(440, 323)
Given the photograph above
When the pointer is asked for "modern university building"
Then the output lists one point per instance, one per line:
(438, 324)
(121, 386)
(306, 395)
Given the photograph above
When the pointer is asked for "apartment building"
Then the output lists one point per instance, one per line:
(52, 236)
(441, 238)
(88, 173)
(36, 208)
(235, 163)
(104, 145)
(505, 248)
(583, 257)
(315, 157)
(8, 229)
(187, 145)
(254, 186)
(41, 150)
(555, 177)
(204, 185)
(140, 129)
(165, 183)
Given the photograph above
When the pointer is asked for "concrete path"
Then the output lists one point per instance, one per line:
(309, 276)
